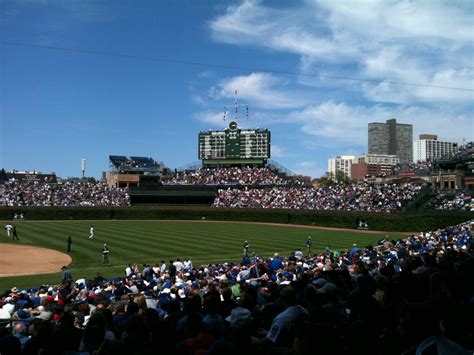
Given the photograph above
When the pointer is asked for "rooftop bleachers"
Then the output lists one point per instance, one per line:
(118, 160)
(134, 163)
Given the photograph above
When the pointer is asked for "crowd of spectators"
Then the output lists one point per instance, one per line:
(246, 175)
(460, 201)
(67, 193)
(420, 166)
(341, 197)
(399, 296)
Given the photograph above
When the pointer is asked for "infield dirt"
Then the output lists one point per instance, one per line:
(17, 260)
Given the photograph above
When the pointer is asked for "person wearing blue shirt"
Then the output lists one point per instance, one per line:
(355, 249)
(66, 276)
(276, 263)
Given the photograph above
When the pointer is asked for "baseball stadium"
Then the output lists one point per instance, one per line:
(239, 233)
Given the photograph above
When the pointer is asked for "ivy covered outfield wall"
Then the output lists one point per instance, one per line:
(395, 222)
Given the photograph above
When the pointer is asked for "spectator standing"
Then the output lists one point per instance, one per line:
(91, 232)
(188, 265)
(69, 243)
(105, 254)
(66, 277)
(298, 254)
(172, 270)
(179, 265)
(14, 234)
(163, 266)
(276, 263)
(246, 248)
(309, 243)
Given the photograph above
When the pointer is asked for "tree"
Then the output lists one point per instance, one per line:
(326, 180)
(342, 178)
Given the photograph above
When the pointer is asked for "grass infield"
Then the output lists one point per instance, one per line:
(151, 241)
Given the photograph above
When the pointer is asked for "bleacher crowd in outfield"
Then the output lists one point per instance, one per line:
(228, 176)
(343, 197)
(402, 296)
(67, 193)
(460, 201)
(241, 187)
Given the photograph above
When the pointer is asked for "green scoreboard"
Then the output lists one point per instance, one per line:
(234, 146)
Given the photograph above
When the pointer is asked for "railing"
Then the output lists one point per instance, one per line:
(191, 166)
(280, 168)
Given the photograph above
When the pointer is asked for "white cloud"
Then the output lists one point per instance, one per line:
(391, 62)
(198, 99)
(258, 90)
(402, 19)
(404, 41)
(347, 125)
(215, 119)
(287, 30)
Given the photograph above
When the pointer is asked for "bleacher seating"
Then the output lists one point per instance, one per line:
(396, 297)
(120, 162)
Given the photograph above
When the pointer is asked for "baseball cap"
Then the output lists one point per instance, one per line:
(46, 316)
(22, 314)
(240, 318)
(328, 288)
(319, 282)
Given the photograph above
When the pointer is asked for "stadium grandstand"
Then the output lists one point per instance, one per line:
(387, 298)
(390, 297)
(126, 171)
(338, 197)
(67, 193)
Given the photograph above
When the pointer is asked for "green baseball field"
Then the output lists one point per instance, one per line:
(151, 241)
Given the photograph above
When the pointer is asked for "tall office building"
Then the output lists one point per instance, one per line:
(428, 147)
(392, 138)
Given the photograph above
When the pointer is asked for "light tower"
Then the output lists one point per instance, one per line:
(83, 167)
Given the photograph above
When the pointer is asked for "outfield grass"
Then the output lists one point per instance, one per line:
(152, 241)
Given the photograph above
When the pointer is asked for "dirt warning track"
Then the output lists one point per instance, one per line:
(17, 260)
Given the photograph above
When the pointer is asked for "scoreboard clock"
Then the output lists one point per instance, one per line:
(234, 146)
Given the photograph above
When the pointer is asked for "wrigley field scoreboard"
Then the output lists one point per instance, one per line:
(234, 146)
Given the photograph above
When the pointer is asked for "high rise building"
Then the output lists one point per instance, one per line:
(392, 138)
(341, 163)
(428, 147)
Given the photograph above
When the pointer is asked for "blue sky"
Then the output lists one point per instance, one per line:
(59, 106)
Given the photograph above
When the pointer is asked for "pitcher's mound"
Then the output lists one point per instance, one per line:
(16, 260)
